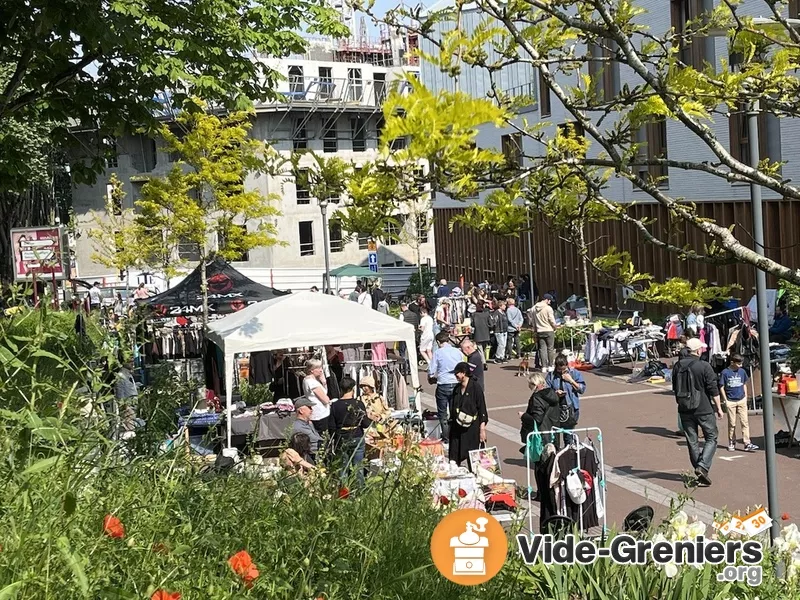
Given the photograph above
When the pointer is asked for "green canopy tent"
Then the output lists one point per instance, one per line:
(352, 271)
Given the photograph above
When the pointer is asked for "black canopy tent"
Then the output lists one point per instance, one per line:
(228, 291)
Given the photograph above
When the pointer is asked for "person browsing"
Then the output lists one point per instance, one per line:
(315, 389)
(303, 408)
(441, 371)
(475, 360)
(568, 383)
(733, 393)
(696, 389)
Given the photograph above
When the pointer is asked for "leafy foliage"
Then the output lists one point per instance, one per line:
(570, 176)
(109, 64)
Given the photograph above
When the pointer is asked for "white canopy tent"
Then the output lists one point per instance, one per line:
(306, 319)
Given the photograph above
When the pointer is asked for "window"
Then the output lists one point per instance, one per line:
(653, 139)
(355, 85)
(380, 87)
(325, 83)
(380, 125)
(303, 192)
(603, 71)
(794, 9)
(223, 244)
(769, 136)
(335, 233)
(112, 153)
(419, 180)
(399, 143)
(300, 135)
(544, 96)
(296, 82)
(571, 129)
(306, 229)
(359, 134)
(394, 229)
(363, 241)
(423, 228)
(330, 137)
(699, 50)
(188, 251)
(511, 145)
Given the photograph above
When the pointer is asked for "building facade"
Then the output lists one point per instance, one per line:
(331, 105)
(556, 264)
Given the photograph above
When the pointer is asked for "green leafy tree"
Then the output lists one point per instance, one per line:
(203, 201)
(109, 64)
(566, 177)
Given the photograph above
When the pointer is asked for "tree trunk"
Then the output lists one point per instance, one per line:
(582, 239)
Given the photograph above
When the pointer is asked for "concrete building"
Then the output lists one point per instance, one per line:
(331, 105)
(557, 266)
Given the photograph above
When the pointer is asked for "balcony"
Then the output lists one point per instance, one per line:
(353, 92)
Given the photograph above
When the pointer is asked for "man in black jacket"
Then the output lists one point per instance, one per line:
(475, 360)
(696, 381)
(412, 318)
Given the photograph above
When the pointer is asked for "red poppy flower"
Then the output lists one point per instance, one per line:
(113, 527)
(344, 492)
(785, 517)
(243, 566)
(462, 493)
(162, 595)
(444, 500)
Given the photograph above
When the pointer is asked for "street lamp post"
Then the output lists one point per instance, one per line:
(323, 207)
(763, 326)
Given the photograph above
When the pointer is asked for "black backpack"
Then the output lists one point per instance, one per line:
(687, 395)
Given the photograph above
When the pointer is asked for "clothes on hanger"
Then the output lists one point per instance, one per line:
(573, 459)
(379, 354)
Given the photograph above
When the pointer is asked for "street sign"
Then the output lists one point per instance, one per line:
(373, 262)
(373, 268)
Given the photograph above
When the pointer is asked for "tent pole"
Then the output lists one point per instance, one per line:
(230, 362)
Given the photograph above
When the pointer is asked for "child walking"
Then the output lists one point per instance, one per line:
(733, 391)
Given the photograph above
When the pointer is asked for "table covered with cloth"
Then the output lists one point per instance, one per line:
(269, 426)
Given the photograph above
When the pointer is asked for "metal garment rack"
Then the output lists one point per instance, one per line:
(740, 309)
(599, 448)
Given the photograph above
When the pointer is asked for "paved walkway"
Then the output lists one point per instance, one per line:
(646, 462)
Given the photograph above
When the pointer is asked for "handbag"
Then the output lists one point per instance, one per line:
(535, 445)
(465, 420)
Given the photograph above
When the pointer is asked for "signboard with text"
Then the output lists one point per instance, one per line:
(40, 251)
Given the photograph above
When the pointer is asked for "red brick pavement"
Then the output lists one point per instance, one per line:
(646, 457)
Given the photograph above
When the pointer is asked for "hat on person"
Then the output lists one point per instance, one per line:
(549, 297)
(368, 380)
(694, 344)
(303, 401)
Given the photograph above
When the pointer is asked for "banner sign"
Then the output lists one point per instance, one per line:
(40, 251)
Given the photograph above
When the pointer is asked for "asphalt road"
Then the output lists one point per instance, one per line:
(646, 461)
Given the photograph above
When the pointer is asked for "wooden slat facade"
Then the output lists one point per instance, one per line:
(476, 256)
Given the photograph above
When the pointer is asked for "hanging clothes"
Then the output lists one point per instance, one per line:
(260, 368)
(379, 354)
(566, 462)
(401, 390)
(547, 497)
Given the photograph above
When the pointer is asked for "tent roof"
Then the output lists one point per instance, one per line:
(228, 291)
(304, 319)
(353, 271)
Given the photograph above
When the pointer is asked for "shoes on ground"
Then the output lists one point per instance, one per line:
(703, 479)
(732, 447)
(750, 448)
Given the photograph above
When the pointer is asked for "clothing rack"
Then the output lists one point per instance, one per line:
(602, 469)
(740, 309)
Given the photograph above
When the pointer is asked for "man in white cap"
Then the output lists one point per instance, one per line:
(696, 388)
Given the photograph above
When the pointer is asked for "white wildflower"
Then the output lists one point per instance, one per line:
(659, 537)
(698, 528)
(680, 519)
(670, 569)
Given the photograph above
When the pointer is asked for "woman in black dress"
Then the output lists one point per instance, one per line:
(468, 415)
